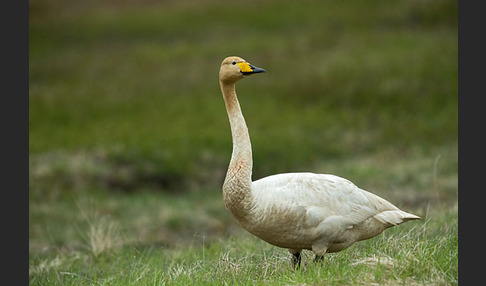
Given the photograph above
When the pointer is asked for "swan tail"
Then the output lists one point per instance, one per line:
(395, 217)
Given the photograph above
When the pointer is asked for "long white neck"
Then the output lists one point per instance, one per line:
(237, 185)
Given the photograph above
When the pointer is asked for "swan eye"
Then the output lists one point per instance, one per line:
(234, 63)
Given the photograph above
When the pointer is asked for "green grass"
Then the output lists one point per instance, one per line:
(92, 235)
(138, 78)
(129, 140)
(423, 252)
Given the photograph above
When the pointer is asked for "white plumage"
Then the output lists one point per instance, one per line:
(318, 212)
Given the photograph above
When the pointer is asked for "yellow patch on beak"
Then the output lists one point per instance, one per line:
(245, 67)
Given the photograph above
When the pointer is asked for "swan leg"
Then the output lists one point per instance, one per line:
(296, 257)
(319, 250)
(296, 260)
(319, 258)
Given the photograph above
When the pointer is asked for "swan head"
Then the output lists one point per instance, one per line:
(235, 68)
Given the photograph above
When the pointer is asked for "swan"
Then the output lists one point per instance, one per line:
(298, 211)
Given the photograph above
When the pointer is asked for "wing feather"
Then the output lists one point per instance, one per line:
(326, 195)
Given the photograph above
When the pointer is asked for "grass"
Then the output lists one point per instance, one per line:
(91, 235)
(111, 78)
(421, 253)
(129, 141)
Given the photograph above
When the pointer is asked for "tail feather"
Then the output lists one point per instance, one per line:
(395, 217)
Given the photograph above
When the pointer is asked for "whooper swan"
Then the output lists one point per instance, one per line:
(318, 212)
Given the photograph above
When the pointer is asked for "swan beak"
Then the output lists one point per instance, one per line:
(247, 69)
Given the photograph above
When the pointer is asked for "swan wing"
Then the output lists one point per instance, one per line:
(322, 196)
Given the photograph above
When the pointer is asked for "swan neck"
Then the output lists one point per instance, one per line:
(237, 184)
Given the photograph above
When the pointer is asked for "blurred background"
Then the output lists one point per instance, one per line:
(127, 123)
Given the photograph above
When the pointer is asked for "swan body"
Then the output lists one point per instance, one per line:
(318, 212)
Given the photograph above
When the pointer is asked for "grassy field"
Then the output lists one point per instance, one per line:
(129, 140)
(421, 254)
